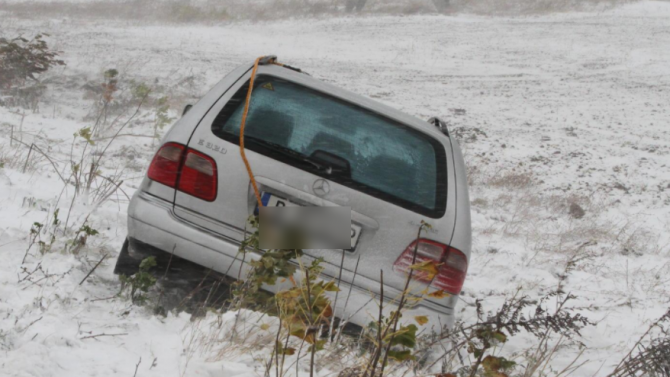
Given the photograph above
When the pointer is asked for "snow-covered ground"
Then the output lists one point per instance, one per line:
(551, 111)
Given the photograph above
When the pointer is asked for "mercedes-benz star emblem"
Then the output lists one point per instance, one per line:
(321, 187)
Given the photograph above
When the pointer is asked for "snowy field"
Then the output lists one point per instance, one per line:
(553, 112)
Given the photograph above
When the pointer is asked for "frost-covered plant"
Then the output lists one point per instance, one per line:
(162, 116)
(650, 356)
(442, 5)
(184, 12)
(474, 347)
(109, 89)
(273, 265)
(138, 284)
(303, 310)
(22, 62)
(24, 59)
(355, 5)
(36, 231)
(139, 91)
(391, 339)
(51, 229)
(80, 238)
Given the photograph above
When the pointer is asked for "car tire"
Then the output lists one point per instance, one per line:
(125, 263)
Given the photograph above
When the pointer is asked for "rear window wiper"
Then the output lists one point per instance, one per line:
(287, 152)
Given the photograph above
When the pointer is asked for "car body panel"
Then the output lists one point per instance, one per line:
(152, 221)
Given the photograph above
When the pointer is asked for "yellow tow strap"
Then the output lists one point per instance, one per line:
(244, 122)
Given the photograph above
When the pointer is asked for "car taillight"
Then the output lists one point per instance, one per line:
(452, 269)
(198, 174)
(164, 167)
(452, 272)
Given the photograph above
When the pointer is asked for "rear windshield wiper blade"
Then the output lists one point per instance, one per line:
(288, 152)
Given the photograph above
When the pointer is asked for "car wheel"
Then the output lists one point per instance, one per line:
(126, 264)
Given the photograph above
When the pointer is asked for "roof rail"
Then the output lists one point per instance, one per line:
(268, 59)
(440, 124)
(272, 59)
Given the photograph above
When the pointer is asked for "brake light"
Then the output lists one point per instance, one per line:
(197, 175)
(452, 270)
(164, 167)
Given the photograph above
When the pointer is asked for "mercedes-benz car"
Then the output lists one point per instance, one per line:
(391, 169)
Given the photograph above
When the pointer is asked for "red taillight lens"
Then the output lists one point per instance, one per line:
(425, 250)
(164, 167)
(452, 272)
(198, 176)
(454, 264)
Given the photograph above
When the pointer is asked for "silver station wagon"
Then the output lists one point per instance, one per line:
(311, 144)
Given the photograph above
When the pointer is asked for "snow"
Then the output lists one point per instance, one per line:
(559, 109)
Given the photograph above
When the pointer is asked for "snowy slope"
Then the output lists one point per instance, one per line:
(552, 111)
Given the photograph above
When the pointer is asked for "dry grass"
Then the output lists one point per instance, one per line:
(544, 221)
(227, 10)
(529, 7)
(19, 156)
(512, 180)
(138, 10)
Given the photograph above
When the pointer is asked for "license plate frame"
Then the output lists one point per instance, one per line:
(272, 200)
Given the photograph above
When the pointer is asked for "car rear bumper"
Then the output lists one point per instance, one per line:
(152, 221)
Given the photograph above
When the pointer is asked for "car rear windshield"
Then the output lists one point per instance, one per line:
(339, 141)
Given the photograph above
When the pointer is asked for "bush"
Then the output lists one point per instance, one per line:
(476, 347)
(179, 12)
(22, 59)
(442, 5)
(356, 5)
(651, 359)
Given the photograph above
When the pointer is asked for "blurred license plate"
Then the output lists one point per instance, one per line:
(273, 201)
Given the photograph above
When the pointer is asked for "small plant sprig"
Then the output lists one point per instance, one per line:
(303, 310)
(51, 230)
(305, 307)
(162, 117)
(85, 133)
(35, 235)
(390, 338)
(35, 231)
(138, 284)
(81, 238)
(139, 91)
(272, 265)
(55, 222)
(109, 88)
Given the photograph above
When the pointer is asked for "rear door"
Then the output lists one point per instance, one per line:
(392, 175)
